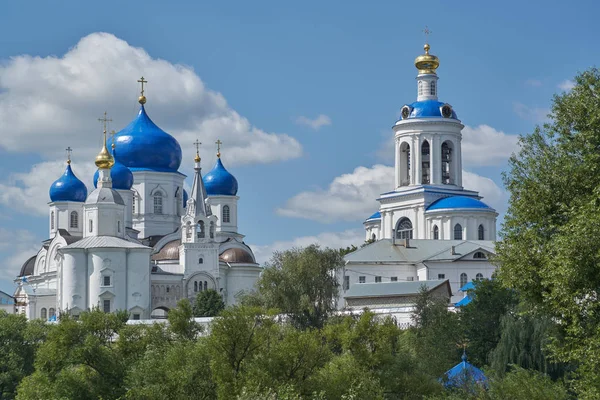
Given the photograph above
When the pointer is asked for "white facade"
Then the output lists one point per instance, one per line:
(139, 248)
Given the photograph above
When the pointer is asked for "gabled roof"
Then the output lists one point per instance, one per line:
(387, 289)
(419, 250)
(95, 242)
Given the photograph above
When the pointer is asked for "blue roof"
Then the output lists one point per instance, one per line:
(219, 182)
(462, 202)
(144, 146)
(463, 374)
(121, 176)
(469, 286)
(377, 215)
(427, 109)
(68, 188)
(464, 301)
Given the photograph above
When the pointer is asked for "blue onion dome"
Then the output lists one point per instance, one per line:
(68, 187)
(219, 182)
(144, 146)
(121, 176)
(427, 109)
(459, 202)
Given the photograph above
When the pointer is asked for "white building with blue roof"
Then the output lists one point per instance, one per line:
(138, 242)
(428, 226)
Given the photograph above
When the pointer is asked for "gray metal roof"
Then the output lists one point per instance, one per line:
(105, 195)
(419, 250)
(96, 242)
(388, 289)
(28, 266)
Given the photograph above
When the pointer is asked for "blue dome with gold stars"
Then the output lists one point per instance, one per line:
(68, 187)
(143, 146)
(219, 182)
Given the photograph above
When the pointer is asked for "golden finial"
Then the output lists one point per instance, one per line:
(142, 98)
(218, 143)
(427, 63)
(197, 143)
(112, 139)
(104, 160)
(69, 150)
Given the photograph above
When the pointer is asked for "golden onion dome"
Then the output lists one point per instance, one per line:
(427, 63)
(104, 160)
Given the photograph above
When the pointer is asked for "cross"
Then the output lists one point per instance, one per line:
(218, 143)
(104, 120)
(142, 81)
(69, 151)
(427, 32)
(197, 143)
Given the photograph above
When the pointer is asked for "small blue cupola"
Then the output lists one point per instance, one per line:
(143, 146)
(120, 175)
(68, 187)
(464, 374)
(219, 182)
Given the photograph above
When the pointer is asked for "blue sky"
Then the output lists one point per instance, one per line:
(268, 69)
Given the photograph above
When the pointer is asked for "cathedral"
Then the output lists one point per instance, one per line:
(429, 231)
(138, 242)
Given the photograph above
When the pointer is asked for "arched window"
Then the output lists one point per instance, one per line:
(436, 232)
(480, 255)
(91, 224)
(74, 220)
(201, 233)
(432, 88)
(52, 220)
(404, 164)
(425, 163)
(480, 233)
(479, 276)
(200, 260)
(52, 313)
(211, 230)
(226, 214)
(158, 202)
(205, 285)
(404, 229)
(447, 177)
(119, 226)
(420, 86)
(195, 286)
(44, 314)
(373, 237)
(457, 232)
(463, 279)
(188, 230)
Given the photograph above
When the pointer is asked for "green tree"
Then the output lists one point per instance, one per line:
(19, 340)
(208, 304)
(550, 247)
(301, 283)
(181, 322)
(480, 319)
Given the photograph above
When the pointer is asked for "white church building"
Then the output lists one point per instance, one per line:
(138, 242)
(429, 230)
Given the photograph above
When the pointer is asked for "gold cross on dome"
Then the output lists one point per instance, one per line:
(104, 120)
(218, 143)
(69, 150)
(142, 81)
(427, 32)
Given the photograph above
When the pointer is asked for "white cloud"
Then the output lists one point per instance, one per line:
(533, 82)
(352, 197)
(334, 240)
(566, 85)
(16, 246)
(535, 114)
(316, 124)
(28, 191)
(47, 103)
(485, 146)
